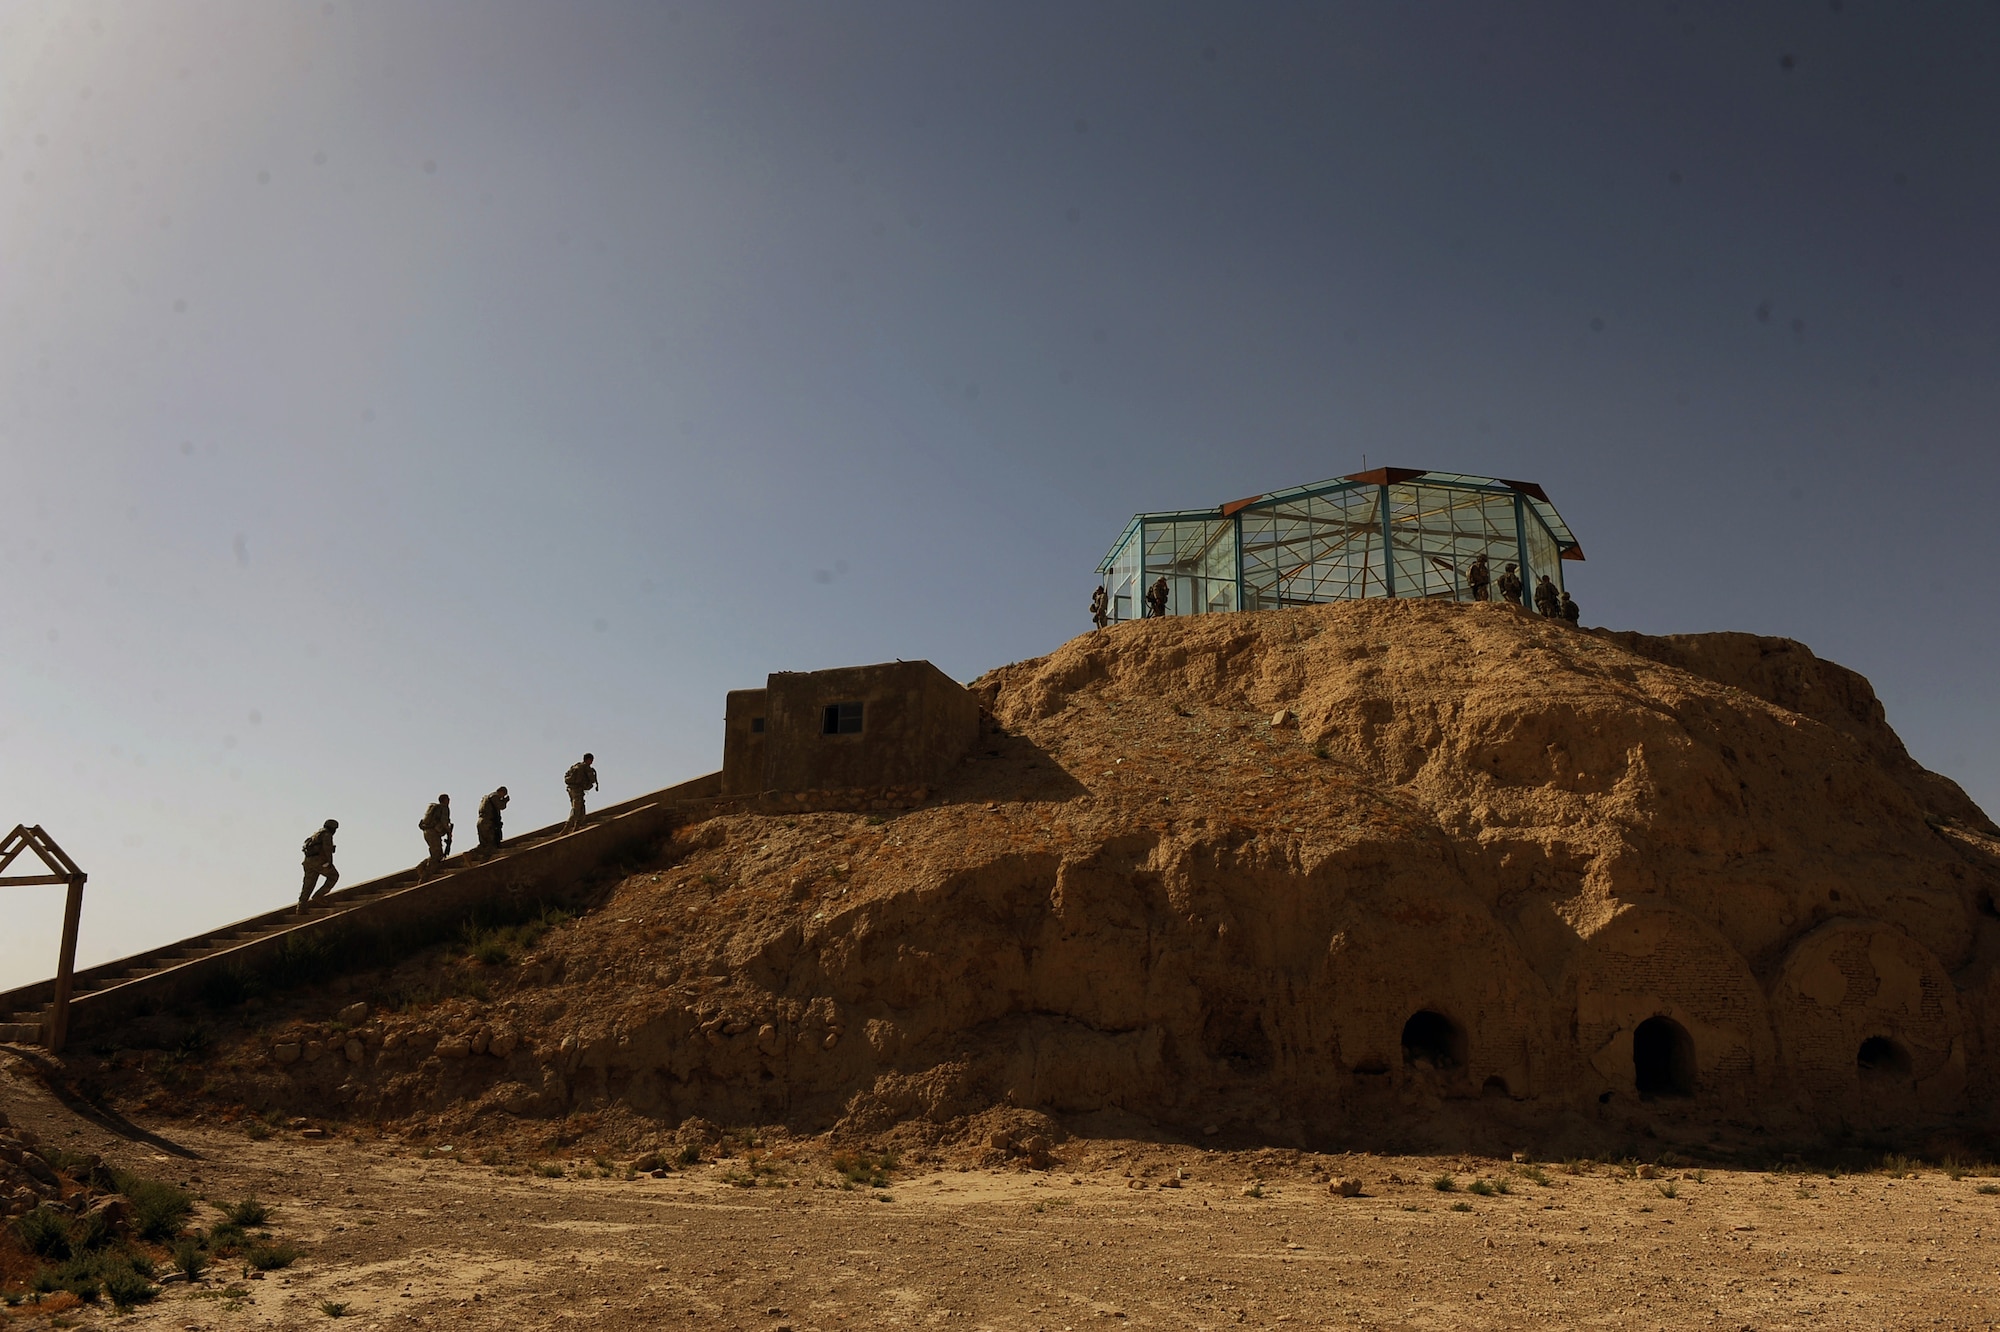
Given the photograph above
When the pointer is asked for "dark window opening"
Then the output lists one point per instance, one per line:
(1236, 1037)
(756, 726)
(1434, 1039)
(1372, 1067)
(1663, 1058)
(1495, 1086)
(1880, 1057)
(841, 719)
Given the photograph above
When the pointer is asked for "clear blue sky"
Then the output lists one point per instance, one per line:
(403, 398)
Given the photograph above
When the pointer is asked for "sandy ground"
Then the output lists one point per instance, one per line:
(405, 1240)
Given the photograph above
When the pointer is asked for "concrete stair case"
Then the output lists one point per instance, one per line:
(546, 864)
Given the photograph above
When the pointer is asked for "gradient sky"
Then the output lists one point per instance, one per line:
(401, 398)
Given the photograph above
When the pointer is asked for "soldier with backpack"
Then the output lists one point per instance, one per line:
(1547, 600)
(318, 851)
(489, 821)
(435, 825)
(1100, 605)
(1510, 585)
(581, 777)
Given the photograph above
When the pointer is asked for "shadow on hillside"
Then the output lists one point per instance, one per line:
(80, 1102)
(1011, 768)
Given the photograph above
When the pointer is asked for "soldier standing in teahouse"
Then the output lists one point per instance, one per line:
(581, 777)
(1547, 601)
(1480, 577)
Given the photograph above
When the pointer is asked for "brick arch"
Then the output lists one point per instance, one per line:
(1850, 981)
(1653, 961)
(1448, 956)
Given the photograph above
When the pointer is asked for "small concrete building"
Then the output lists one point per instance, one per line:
(890, 731)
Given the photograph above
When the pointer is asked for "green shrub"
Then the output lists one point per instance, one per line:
(226, 1238)
(126, 1285)
(249, 1212)
(1461, 1206)
(190, 1258)
(498, 944)
(270, 1255)
(864, 1169)
(74, 1164)
(92, 1230)
(333, 1308)
(1444, 1184)
(79, 1276)
(159, 1210)
(689, 1154)
(1989, 1188)
(43, 1232)
(1481, 1187)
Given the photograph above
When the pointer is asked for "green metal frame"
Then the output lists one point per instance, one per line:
(1324, 542)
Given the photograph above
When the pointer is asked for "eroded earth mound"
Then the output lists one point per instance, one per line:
(1379, 873)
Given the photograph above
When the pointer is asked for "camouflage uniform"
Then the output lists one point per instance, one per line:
(1546, 600)
(581, 777)
(318, 851)
(1510, 586)
(1570, 610)
(1156, 598)
(1481, 579)
(1099, 607)
(489, 821)
(436, 828)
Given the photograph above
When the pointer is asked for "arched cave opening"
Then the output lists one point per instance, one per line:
(1883, 1059)
(1495, 1086)
(1663, 1058)
(1235, 1036)
(1434, 1039)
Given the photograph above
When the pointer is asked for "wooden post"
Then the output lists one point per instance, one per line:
(61, 870)
(66, 967)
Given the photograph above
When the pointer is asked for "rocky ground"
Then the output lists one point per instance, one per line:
(1113, 1232)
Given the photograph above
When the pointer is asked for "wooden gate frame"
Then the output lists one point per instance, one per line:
(61, 870)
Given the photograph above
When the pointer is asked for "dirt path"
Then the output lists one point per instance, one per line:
(408, 1241)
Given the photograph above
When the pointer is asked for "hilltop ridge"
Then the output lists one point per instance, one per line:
(1376, 872)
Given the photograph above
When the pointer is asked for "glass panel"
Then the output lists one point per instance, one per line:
(1121, 570)
(1314, 548)
(1543, 557)
(1197, 557)
(1325, 542)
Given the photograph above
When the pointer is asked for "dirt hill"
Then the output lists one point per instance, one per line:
(1378, 873)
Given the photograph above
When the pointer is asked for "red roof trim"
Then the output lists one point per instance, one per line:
(1385, 476)
(1527, 488)
(1237, 506)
